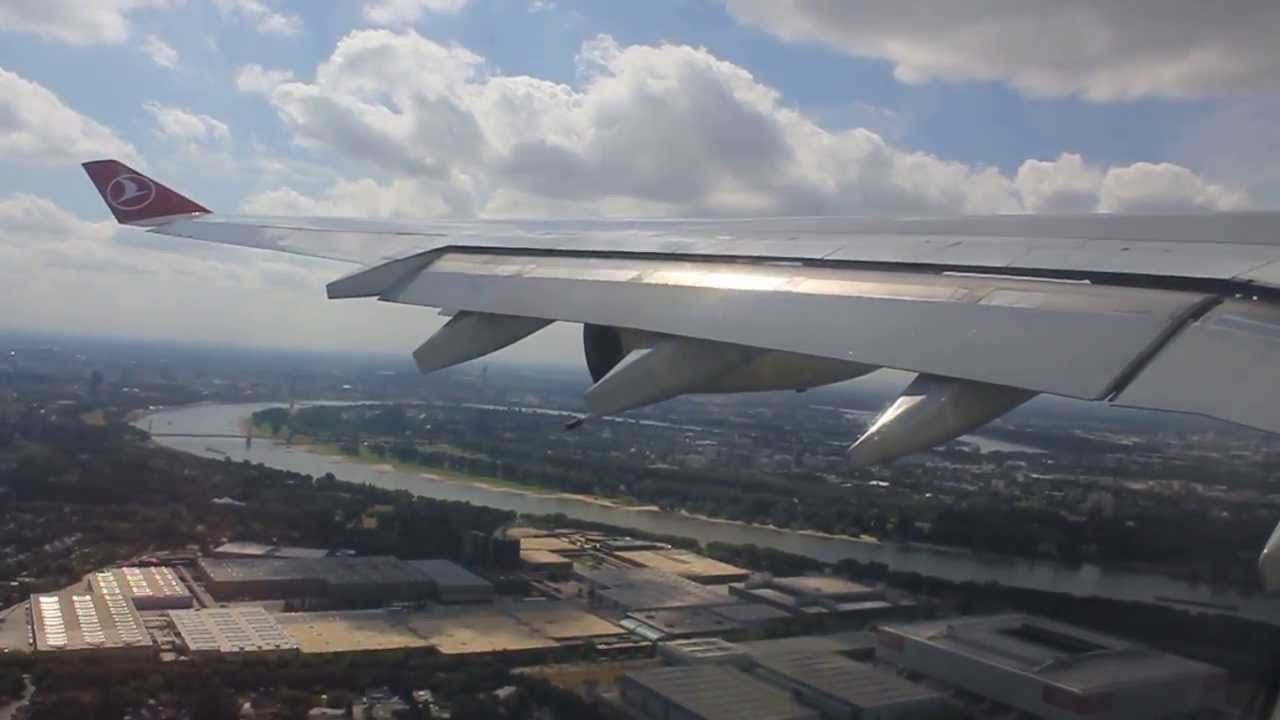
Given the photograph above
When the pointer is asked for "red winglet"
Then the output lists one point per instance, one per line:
(135, 198)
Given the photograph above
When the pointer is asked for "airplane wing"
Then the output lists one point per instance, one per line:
(1166, 312)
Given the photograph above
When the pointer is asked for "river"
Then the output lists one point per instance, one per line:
(955, 565)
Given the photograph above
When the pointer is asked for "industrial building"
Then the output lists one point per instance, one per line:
(686, 564)
(707, 692)
(546, 562)
(1051, 669)
(856, 645)
(823, 595)
(259, 550)
(550, 543)
(453, 583)
(75, 621)
(148, 588)
(632, 589)
(752, 615)
(231, 632)
(346, 581)
(703, 651)
(681, 622)
(842, 689)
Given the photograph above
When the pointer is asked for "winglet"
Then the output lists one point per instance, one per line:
(134, 198)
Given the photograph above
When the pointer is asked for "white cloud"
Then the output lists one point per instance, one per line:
(160, 52)
(650, 130)
(74, 22)
(181, 125)
(537, 6)
(1066, 184)
(349, 198)
(94, 274)
(259, 15)
(35, 126)
(254, 78)
(1163, 187)
(407, 12)
(1104, 50)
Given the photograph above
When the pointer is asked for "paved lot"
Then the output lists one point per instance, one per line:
(14, 632)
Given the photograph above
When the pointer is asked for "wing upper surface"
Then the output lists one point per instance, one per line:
(1164, 312)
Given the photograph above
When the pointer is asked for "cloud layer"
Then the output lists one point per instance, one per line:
(1099, 49)
(74, 22)
(647, 130)
(37, 127)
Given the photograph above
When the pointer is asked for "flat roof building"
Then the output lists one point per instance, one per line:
(358, 581)
(842, 689)
(822, 595)
(703, 651)
(148, 588)
(242, 549)
(707, 692)
(686, 564)
(682, 622)
(1052, 669)
(549, 543)
(76, 621)
(236, 631)
(857, 645)
(453, 583)
(546, 562)
(632, 589)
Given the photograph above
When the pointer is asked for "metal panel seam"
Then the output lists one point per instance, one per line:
(1176, 327)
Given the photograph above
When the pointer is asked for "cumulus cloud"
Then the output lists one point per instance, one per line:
(1064, 185)
(1099, 49)
(254, 78)
(160, 52)
(259, 15)
(348, 198)
(36, 126)
(73, 21)
(1163, 187)
(648, 130)
(407, 12)
(182, 125)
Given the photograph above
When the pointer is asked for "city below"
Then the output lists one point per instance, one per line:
(191, 532)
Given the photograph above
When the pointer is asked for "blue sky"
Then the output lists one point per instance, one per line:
(577, 107)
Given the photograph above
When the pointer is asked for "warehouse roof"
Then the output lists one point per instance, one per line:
(813, 644)
(856, 683)
(643, 589)
(823, 586)
(334, 570)
(231, 630)
(146, 582)
(448, 574)
(684, 563)
(1066, 655)
(552, 543)
(715, 692)
(685, 621)
(77, 620)
(542, 557)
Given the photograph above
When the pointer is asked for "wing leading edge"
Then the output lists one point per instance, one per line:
(1154, 312)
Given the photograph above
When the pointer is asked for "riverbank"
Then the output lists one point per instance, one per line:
(384, 463)
(1080, 580)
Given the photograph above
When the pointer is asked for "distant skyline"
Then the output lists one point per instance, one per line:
(488, 108)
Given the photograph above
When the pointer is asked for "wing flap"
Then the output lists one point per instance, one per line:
(1225, 365)
(1064, 338)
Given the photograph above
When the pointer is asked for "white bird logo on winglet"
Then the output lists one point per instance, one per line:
(130, 192)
